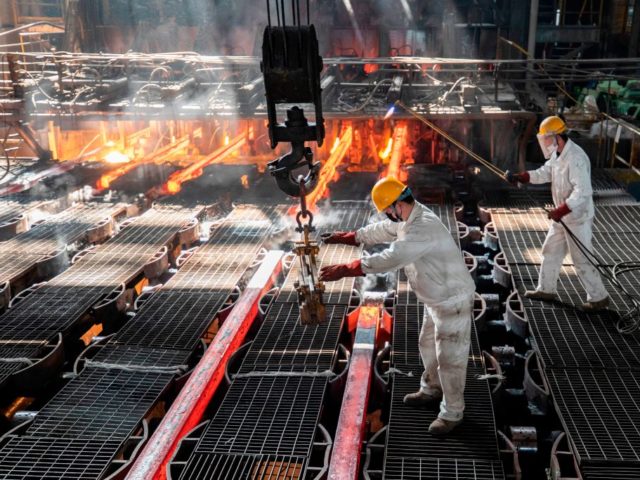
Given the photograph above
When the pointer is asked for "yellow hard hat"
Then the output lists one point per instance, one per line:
(386, 191)
(552, 126)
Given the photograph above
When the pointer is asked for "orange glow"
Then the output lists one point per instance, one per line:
(370, 68)
(384, 154)
(173, 187)
(159, 155)
(399, 140)
(105, 180)
(226, 139)
(244, 179)
(336, 143)
(117, 157)
(176, 179)
(329, 169)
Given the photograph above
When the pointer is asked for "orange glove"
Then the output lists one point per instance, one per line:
(331, 273)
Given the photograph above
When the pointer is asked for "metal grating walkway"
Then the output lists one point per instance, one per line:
(233, 466)
(283, 345)
(266, 415)
(567, 338)
(100, 404)
(400, 468)
(600, 410)
(126, 378)
(470, 451)
(62, 229)
(31, 458)
(19, 255)
(592, 370)
(60, 303)
(268, 418)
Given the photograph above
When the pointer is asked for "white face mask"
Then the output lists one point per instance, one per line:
(548, 149)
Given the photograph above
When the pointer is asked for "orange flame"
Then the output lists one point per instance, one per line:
(399, 140)
(117, 157)
(329, 169)
(226, 139)
(384, 154)
(336, 143)
(244, 179)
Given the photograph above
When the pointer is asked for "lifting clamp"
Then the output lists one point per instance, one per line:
(309, 288)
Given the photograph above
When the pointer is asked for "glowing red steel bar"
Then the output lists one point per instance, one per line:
(345, 458)
(399, 139)
(329, 168)
(194, 170)
(188, 408)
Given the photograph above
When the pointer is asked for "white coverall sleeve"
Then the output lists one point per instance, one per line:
(542, 174)
(379, 232)
(580, 180)
(399, 254)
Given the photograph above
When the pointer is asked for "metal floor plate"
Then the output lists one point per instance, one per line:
(232, 467)
(283, 344)
(31, 458)
(570, 288)
(610, 472)
(474, 439)
(139, 356)
(266, 415)
(572, 339)
(172, 320)
(412, 468)
(600, 410)
(99, 404)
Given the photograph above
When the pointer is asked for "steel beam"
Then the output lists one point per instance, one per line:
(188, 408)
(350, 432)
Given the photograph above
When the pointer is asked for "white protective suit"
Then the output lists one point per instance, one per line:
(570, 177)
(438, 275)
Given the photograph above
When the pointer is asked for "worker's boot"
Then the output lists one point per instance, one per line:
(596, 306)
(421, 399)
(539, 295)
(440, 426)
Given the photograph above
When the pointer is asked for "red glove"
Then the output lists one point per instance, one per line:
(514, 178)
(557, 213)
(331, 273)
(344, 238)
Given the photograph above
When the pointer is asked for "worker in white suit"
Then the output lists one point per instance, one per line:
(569, 171)
(437, 273)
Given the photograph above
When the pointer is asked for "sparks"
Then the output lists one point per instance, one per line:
(390, 112)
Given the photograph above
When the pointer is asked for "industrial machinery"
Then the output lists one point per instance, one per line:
(291, 66)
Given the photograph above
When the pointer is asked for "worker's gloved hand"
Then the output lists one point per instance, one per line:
(331, 273)
(515, 178)
(557, 213)
(344, 238)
